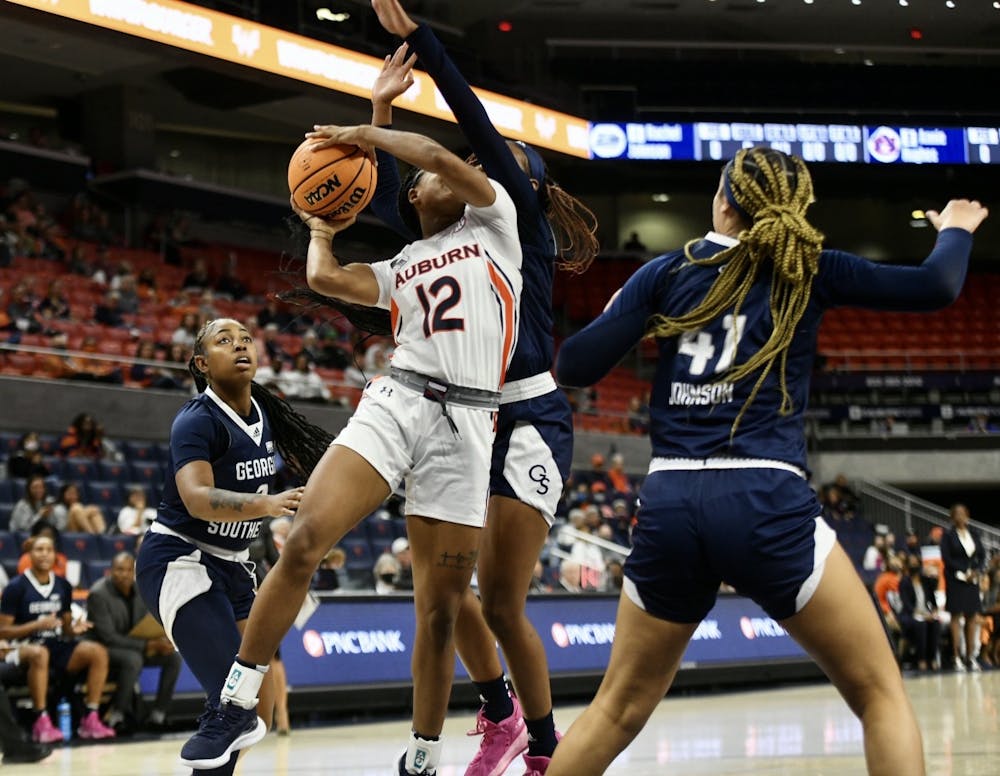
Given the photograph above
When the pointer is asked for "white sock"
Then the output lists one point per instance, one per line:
(422, 756)
(243, 684)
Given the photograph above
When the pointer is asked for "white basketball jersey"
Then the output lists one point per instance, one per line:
(454, 298)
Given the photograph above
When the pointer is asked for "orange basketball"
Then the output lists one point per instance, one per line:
(336, 182)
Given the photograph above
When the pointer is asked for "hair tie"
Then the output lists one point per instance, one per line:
(727, 187)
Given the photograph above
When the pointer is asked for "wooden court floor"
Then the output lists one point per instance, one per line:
(791, 730)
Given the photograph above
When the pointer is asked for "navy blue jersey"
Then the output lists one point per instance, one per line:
(26, 600)
(241, 452)
(693, 405)
(533, 353)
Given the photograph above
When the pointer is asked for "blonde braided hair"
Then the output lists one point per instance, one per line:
(774, 190)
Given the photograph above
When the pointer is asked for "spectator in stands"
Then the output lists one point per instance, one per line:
(78, 517)
(14, 659)
(55, 304)
(83, 439)
(98, 370)
(323, 353)
(981, 424)
(376, 364)
(385, 571)
(583, 400)
(115, 608)
(917, 612)
(597, 473)
(146, 286)
(991, 610)
(26, 460)
(327, 576)
(36, 606)
(272, 346)
(46, 529)
(875, 555)
(621, 484)
(621, 521)
(569, 576)
(271, 374)
(21, 310)
(614, 576)
(197, 278)
(228, 285)
(401, 552)
(963, 555)
(109, 312)
(638, 417)
(187, 331)
(35, 505)
(303, 383)
(538, 583)
(887, 591)
(847, 495)
(272, 313)
(135, 517)
(207, 311)
(634, 244)
(128, 294)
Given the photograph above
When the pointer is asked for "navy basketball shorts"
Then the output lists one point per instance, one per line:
(171, 572)
(757, 529)
(533, 451)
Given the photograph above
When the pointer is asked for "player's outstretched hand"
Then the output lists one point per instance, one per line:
(327, 135)
(285, 503)
(318, 224)
(395, 78)
(959, 213)
(393, 18)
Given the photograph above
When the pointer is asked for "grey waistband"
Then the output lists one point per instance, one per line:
(440, 391)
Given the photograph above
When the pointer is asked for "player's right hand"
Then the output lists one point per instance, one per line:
(393, 18)
(285, 503)
(395, 78)
(960, 214)
(319, 224)
(49, 622)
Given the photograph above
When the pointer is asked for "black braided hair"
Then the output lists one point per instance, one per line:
(300, 442)
(407, 212)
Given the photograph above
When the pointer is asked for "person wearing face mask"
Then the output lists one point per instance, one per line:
(27, 461)
(918, 615)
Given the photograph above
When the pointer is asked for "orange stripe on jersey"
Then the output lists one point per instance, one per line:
(509, 306)
(394, 319)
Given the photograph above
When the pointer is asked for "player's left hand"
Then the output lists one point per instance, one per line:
(327, 135)
(393, 18)
(81, 626)
(395, 77)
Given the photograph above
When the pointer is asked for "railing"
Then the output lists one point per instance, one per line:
(913, 360)
(903, 513)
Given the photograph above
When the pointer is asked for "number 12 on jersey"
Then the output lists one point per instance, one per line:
(446, 293)
(698, 345)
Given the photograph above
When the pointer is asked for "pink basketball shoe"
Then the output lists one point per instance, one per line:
(44, 732)
(502, 742)
(92, 727)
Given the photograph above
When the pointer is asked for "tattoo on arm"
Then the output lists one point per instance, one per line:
(459, 560)
(226, 499)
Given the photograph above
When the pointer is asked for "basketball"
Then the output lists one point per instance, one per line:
(336, 182)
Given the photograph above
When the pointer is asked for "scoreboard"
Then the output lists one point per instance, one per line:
(835, 143)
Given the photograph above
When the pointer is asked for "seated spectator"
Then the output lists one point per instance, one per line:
(597, 473)
(273, 313)
(569, 576)
(376, 364)
(401, 552)
(538, 583)
(583, 400)
(19, 666)
(198, 277)
(229, 286)
(614, 576)
(621, 484)
(186, 331)
(78, 517)
(146, 286)
(35, 606)
(302, 382)
(21, 310)
(386, 570)
(918, 613)
(327, 575)
(109, 312)
(135, 517)
(270, 374)
(98, 370)
(55, 304)
(44, 528)
(84, 438)
(887, 590)
(269, 339)
(634, 244)
(875, 555)
(127, 289)
(115, 608)
(36, 505)
(638, 417)
(27, 461)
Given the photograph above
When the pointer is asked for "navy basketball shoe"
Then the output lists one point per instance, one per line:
(221, 732)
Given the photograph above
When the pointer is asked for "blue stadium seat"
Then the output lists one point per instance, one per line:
(379, 530)
(81, 546)
(10, 547)
(17, 486)
(359, 554)
(94, 571)
(381, 546)
(80, 469)
(112, 545)
(107, 495)
(10, 566)
(117, 471)
(358, 532)
(55, 464)
(49, 443)
(7, 491)
(6, 508)
(9, 440)
(146, 471)
(141, 451)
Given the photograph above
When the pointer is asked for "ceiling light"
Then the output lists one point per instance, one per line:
(904, 3)
(326, 15)
(174, 153)
(808, 2)
(996, 5)
(949, 3)
(661, 198)
(918, 214)
(869, 62)
(855, 2)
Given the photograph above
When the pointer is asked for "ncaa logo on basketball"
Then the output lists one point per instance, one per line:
(607, 141)
(323, 191)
